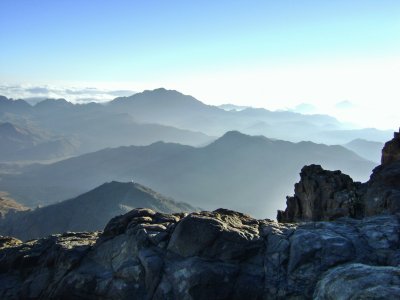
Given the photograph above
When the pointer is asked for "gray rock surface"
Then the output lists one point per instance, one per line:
(208, 255)
(321, 195)
(359, 281)
(391, 150)
(328, 195)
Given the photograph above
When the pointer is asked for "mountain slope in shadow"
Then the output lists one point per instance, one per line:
(88, 212)
(248, 173)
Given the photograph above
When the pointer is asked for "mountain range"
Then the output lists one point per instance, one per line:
(169, 116)
(237, 170)
(367, 149)
(87, 212)
(23, 144)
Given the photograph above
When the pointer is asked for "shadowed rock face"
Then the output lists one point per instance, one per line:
(391, 150)
(321, 195)
(88, 212)
(208, 255)
(328, 195)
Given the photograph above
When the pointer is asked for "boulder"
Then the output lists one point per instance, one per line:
(208, 255)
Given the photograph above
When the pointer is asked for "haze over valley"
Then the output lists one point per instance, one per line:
(204, 155)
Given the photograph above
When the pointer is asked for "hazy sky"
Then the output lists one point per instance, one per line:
(273, 54)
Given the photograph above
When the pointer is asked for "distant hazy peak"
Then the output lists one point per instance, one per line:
(54, 103)
(20, 102)
(160, 94)
(236, 137)
(125, 187)
(364, 142)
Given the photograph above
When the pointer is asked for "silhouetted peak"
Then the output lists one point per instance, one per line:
(234, 134)
(3, 99)
(54, 103)
(14, 103)
(117, 187)
(158, 97)
(234, 137)
(163, 92)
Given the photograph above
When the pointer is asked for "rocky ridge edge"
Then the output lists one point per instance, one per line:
(208, 255)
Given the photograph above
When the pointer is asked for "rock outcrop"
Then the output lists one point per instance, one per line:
(327, 195)
(209, 255)
(322, 195)
(391, 150)
(8, 205)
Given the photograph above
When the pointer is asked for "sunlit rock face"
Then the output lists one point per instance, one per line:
(209, 255)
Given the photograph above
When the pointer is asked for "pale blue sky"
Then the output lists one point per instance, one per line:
(215, 50)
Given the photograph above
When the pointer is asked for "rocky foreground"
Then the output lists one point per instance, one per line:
(209, 255)
(228, 255)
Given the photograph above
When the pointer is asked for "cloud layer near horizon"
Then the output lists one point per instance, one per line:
(34, 93)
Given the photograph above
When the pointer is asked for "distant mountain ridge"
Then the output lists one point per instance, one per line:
(367, 149)
(172, 109)
(236, 170)
(22, 144)
(94, 126)
(89, 211)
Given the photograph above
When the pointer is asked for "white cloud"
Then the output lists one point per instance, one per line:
(73, 94)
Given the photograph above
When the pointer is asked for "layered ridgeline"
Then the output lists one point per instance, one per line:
(88, 212)
(26, 143)
(226, 254)
(175, 109)
(366, 149)
(91, 126)
(169, 116)
(246, 173)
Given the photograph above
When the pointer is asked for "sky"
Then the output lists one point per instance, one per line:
(337, 57)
